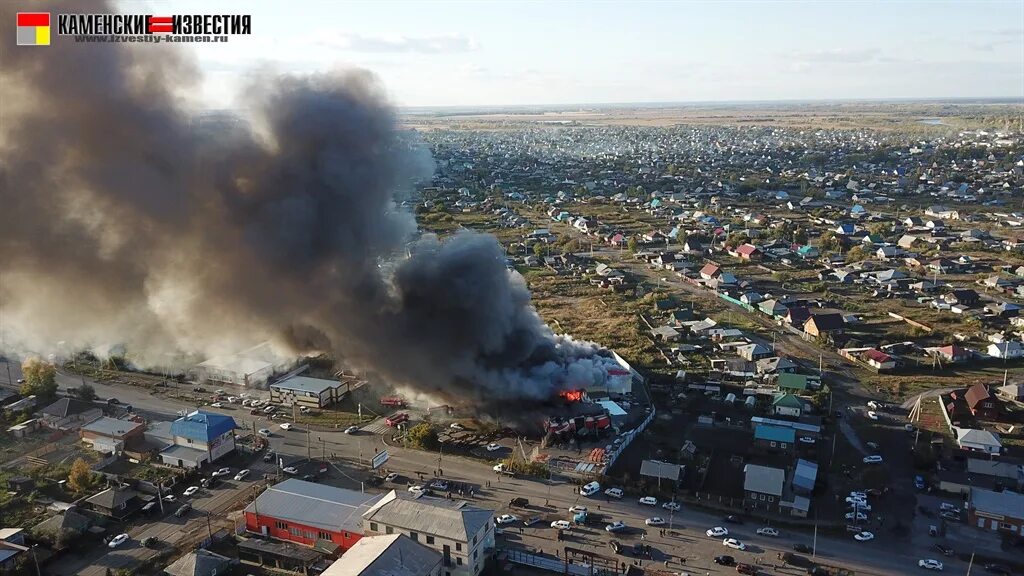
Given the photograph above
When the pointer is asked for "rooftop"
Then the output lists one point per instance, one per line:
(203, 426)
(112, 427)
(306, 384)
(1005, 503)
(386, 555)
(316, 505)
(763, 479)
(453, 519)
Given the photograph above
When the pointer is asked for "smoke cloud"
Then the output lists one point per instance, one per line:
(127, 221)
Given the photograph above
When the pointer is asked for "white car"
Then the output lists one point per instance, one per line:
(930, 564)
(863, 536)
(872, 415)
(874, 459)
(255, 402)
(851, 500)
(861, 507)
(506, 519)
(456, 426)
(265, 432)
(351, 429)
(860, 516)
(499, 467)
(649, 501)
(717, 532)
(246, 401)
(673, 506)
(767, 531)
(859, 495)
(561, 525)
(417, 489)
(655, 521)
(291, 470)
(616, 526)
(286, 426)
(391, 477)
(734, 544)
(216, 405)
(241, 474)
(117, 540)
(577, 509)
(232, 399)
(170, 498)
(190, 490)
(493, 447)
(613, 492)
(590, 489)
(222, 472)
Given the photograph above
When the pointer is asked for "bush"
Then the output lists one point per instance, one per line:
(423, 436)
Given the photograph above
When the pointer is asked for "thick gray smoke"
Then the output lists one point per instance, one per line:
(124, 222)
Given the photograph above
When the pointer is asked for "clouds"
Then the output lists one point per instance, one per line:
(399, 44)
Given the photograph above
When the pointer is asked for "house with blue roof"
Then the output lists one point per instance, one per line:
(774, 438)
(200, 438)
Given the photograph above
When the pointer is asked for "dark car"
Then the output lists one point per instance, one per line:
(184, 509)
(733, 519)
(725, 560)
(945, 550)
(209, 482)
(747, 569)
(113, 401)
(268, 457)
(616, 547)
(150, 542)
(818, 571)
(312, 478)
(802, 548)
(519, 503)
(997, 569)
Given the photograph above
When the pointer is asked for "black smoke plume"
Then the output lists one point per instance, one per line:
(124, 221)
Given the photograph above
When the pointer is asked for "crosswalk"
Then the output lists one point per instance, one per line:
(378, 426)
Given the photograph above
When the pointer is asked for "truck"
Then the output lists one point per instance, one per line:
(396, 419)
(392, 401)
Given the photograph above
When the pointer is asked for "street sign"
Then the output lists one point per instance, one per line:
(379, 459)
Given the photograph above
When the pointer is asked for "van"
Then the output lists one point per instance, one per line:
(590, 489)
(614, 492)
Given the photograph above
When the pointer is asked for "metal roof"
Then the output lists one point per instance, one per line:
(774, 433)
(203, 426)
(1005, 503)
(111, 427)
(657, 469)
(184, 453)
(306, 384)
(763, 479)
(386, 555)
(453, 519)
(315, 505)
(806, 474)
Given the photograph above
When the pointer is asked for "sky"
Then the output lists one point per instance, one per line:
(564, 52)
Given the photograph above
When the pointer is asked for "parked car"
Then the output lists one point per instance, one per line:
(655, 521)
(725, 560)
(673, 506)
(860, 516)
(506, 519)
(117, 540)
(290, 470)
(919, 482)
(222, 472)
(944, 550)
(182, 510)
(717, 532)
(613, 492)
(951, 516)
(767, 531)
(802, 548)
(873, 459)
(734, 544)
(806, 440)
(268, 457)
(930, 564)
(519, 503)
(733, 519)
(265, 432)
(615, 546)
(241, 474)
(191, 490)
(439, 484)
(864, 536)
(997, 569)
(150, 507)
(531, 520)
(947, 507)
(286, 425)
(747, 569)
(617, 526)
(649, 501)
(150, 541)
(417, 489)
(590, 489)
(492, 447)
(561, 525)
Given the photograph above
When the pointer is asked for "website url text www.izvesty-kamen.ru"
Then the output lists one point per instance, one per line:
(173, 39)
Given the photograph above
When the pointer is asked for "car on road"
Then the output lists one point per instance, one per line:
(577, 509)
(617, 526)
(864, 536)
(590, 489)
(170, 498)
(944, 550)
(733, 519)
(613, 492)
(191, 490)
(506, 519)
(222, 472)
(858, 495)
(265, 432)
(997, 569)
(182, 510)
(767, 531)
(717, 532)
(216, 405)
(734, 544)
(930, 564)
(750, 569)
(860, 516)
(391, 477)
(531, 520)
(856, 500)
(456, 426)
(872, 415)
(242, 474)
(268, 457)
(649, 501)
(951, 516)
(439, 484)
(150, 507)
(290, 470)
(519, 503)
(561, 525)
(492, 447)
(861, 507)
(673, 506)
(268, 409)
(286, 425)
(802, 548)
(150, 541)
(118, 540)
(655, 521)
(616, 546)
(873, 459)
(418, 489)
(947, 507)
(919, 482)
(351, 429)
(21, 380)
(724, 560)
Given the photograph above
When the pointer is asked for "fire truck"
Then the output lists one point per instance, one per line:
(396, 419)
(393, 401)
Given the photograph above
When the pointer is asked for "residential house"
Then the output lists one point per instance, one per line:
(666, 334)
(878, 360)
(787, 405)
(306, 391)
(975, 440)
(199, 438)
(461, 532)
(824, 324)
(201, 562)
(775, 365)
(748, 252)
(1009, 350)
(12, 550)
(309, 514)
(964, 297)
(996, 511)
(1011, 392)
(771, 307)
(753, 352)
(983, 404)
(774, 438)
(796, 316)
(792, 383)
(387, 555)
(954, 353)
(763, 484)
(112, 435)
(710, 271)
(69, 414)
(804, 477)
(117, 503)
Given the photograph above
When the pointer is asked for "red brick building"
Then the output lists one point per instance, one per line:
(309, 514)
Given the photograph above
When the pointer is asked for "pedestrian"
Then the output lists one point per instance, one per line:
(666, 563)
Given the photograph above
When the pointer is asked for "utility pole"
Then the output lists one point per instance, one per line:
(36, 561)
(160, 495)
(309, 455)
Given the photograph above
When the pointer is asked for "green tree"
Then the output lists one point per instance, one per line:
(80, 478)
(40, 379)
(633, 245)
(856, 254)
(85, 392)
(423, 436)
(538, 249)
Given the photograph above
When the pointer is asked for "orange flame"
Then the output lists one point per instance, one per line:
(572, 395)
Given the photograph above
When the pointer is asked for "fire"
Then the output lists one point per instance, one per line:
(572, 395)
